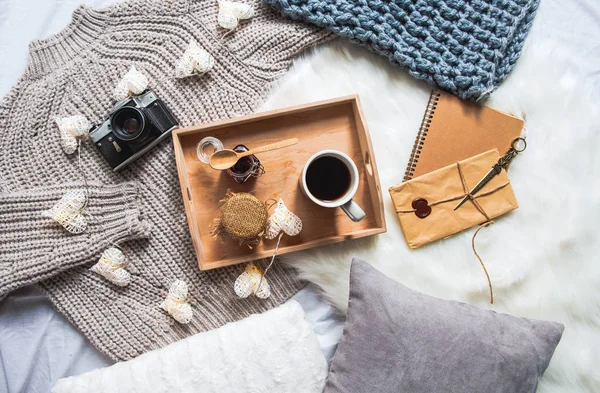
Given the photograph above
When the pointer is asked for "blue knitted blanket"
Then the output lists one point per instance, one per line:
(465, 47)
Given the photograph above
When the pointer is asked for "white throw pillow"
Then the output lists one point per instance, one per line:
(276, 351)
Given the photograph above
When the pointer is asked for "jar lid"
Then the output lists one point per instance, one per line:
(243, 217)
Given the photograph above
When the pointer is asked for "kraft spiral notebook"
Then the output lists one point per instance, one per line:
(453, 130)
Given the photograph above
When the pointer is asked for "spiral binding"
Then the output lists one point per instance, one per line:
(421, 135)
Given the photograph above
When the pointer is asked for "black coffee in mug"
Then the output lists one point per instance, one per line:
(328, 178)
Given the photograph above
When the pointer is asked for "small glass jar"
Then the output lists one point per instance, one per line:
(246, 167)
(207, 147)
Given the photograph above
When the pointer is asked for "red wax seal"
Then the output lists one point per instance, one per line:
(422, 208)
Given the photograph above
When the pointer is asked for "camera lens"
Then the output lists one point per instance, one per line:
(128, 123)
(131, 126)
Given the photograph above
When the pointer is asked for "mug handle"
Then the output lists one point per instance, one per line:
(353, 211)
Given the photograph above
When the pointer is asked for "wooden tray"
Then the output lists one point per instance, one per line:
(332, 124)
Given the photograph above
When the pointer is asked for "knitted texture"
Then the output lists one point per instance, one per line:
(463, 47)
(75, 73)
(35, 248)
(274, 352)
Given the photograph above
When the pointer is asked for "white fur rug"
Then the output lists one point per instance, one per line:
(542, 258)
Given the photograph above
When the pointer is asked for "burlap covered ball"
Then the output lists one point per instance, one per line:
(243, 218)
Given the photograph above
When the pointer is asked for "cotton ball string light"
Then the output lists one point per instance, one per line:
(248, 283)
(194, 61)
(67, 211)
(177, 302)
(253, 280)
(72, 130)
(284, 220)
(112, 266)
(131, 84)
(231, 13)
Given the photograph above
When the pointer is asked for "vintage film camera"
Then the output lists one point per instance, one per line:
(134, 126)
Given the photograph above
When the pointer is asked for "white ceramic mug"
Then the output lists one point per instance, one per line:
(345, 201)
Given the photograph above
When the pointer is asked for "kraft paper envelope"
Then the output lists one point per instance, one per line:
(443, 189)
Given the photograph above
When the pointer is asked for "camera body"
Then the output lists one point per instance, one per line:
(134, 126)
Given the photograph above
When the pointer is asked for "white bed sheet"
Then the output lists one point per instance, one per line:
(38, 345)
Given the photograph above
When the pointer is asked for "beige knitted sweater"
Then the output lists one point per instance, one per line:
(75, 72)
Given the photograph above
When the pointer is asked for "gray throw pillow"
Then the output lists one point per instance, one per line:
(398, 340)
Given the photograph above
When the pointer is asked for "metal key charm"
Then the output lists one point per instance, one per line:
(502, 163)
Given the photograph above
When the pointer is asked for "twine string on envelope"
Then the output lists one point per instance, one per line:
(485, 224)
(488, 221)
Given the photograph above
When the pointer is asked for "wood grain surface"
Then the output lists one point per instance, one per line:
(333, 124)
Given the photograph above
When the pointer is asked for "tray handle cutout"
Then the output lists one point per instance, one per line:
(368, 166)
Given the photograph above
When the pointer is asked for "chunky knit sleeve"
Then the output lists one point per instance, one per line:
(34, 247)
